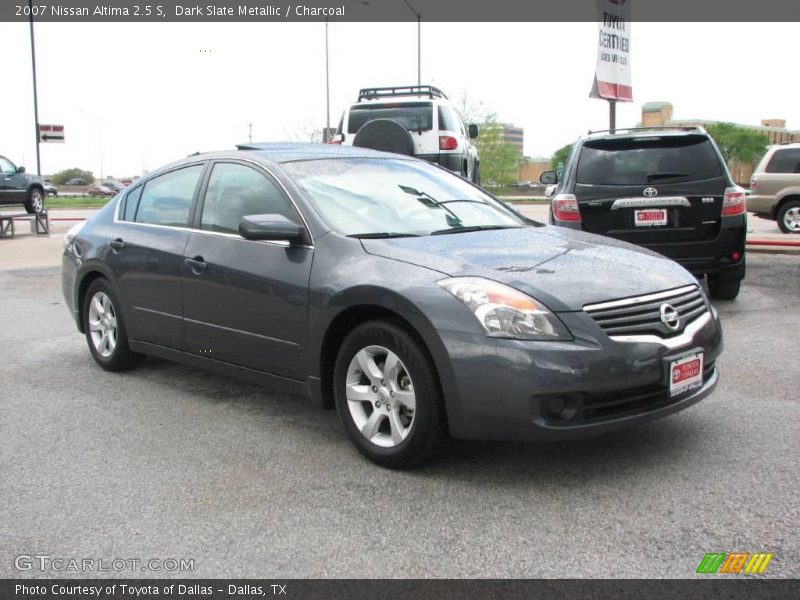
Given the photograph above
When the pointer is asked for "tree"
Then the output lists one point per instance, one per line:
(738, 143)
(498, 158)
(62, 177)
(560, 156)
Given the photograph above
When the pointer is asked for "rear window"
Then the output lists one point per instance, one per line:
(785, 161)
(646, 160)
(414, 116)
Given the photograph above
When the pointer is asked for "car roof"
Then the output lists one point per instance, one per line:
(287, 152)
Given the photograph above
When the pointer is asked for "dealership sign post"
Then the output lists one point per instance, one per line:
(612, 76)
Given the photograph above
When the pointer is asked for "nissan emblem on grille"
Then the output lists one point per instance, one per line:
(650, 192)
(670, 317)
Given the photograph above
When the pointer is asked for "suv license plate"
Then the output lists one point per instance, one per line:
(685, 374)
(649, 217)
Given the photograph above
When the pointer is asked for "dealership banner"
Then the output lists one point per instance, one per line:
(612, 76)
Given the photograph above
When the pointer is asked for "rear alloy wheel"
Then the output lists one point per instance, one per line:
(723, 289)
(387, 396)
(35, 202)
(789, 217)
(105, 329)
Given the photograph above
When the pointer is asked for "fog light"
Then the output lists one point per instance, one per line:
(555, 407)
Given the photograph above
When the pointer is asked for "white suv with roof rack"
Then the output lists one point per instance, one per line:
(415, 120)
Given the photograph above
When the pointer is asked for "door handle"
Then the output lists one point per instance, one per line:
(197, 264)
(117, 244)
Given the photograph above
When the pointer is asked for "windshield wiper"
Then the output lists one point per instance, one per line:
(473, 228)
(382, 235)
(655, 176)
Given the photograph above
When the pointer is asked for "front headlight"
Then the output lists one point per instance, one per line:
(504, 312)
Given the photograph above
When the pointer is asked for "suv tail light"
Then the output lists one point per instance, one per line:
(565, 208)
(447, 142)
(733, 203)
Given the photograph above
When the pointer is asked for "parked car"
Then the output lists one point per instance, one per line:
(667, 189)
(405, 296)
(114, 186)
(19, 187)
(101, 190)
(415, 120)
(775, 187)
(77, 181)
(50, 188)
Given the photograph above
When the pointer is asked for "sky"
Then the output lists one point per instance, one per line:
(134, 96)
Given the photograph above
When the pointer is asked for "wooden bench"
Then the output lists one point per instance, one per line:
(40, 223)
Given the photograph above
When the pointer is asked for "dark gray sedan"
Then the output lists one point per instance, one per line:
(411, 300)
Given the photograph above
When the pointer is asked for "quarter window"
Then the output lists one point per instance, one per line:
(167, 199)
(785, 161)
(131, 203)
(235, 191)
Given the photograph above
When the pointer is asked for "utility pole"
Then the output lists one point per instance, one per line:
(35, 93)
(612, 115)
(419, 40)
(250, 134)
(325, 139)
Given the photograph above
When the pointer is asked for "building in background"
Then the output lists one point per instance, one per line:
(513, 135)
(659, 114)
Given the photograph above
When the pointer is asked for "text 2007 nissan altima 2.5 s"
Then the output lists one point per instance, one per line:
(394, 290)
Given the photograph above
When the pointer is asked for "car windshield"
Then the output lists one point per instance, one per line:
(366, 197)
(645, 160)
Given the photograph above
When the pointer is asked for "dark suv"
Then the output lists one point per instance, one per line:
(19, 187)
(666, 189)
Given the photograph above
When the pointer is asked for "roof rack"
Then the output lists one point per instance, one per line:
(402, 90)
(656, 128)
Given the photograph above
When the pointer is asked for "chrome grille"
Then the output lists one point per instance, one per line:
(642, 315)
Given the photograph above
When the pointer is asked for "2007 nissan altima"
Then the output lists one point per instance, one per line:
(411, 300)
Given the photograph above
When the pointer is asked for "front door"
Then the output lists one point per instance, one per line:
(13, 185)
(245, 302)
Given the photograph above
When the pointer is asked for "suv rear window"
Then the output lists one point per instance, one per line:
(785, 161)
(414, 116)
(645, 160)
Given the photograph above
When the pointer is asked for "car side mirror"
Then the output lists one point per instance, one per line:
(548, 177)
(473, 131)
(276, 228)
(20, 170)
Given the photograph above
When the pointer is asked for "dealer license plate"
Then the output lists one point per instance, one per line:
(649, 217)
(685, 374)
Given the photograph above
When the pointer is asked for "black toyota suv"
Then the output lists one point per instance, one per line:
(666, 189)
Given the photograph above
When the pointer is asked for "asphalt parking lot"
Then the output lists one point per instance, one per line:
(171, 462)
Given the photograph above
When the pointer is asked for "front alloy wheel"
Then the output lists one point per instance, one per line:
(380, 396)
(388, 396)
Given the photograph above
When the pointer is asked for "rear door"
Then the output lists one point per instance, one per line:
(651, 190)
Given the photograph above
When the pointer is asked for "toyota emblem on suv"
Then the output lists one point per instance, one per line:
(650, 192)
(670, 317)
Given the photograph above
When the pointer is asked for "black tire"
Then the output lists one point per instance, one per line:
(35, 202)
(476, 174)
(429, 427)
(385, 135)
(121, 358)
(723, 289)
(782, 216)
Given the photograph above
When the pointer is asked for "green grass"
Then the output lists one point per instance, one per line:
(54, 202)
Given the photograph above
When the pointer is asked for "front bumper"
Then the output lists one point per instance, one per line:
(506, 389)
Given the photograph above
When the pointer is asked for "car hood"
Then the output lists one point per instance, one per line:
(563, 268)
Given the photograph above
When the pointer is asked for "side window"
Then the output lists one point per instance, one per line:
(6, 166)
(785, 161)
(235, 191)
(131, 204)
(166, 199)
